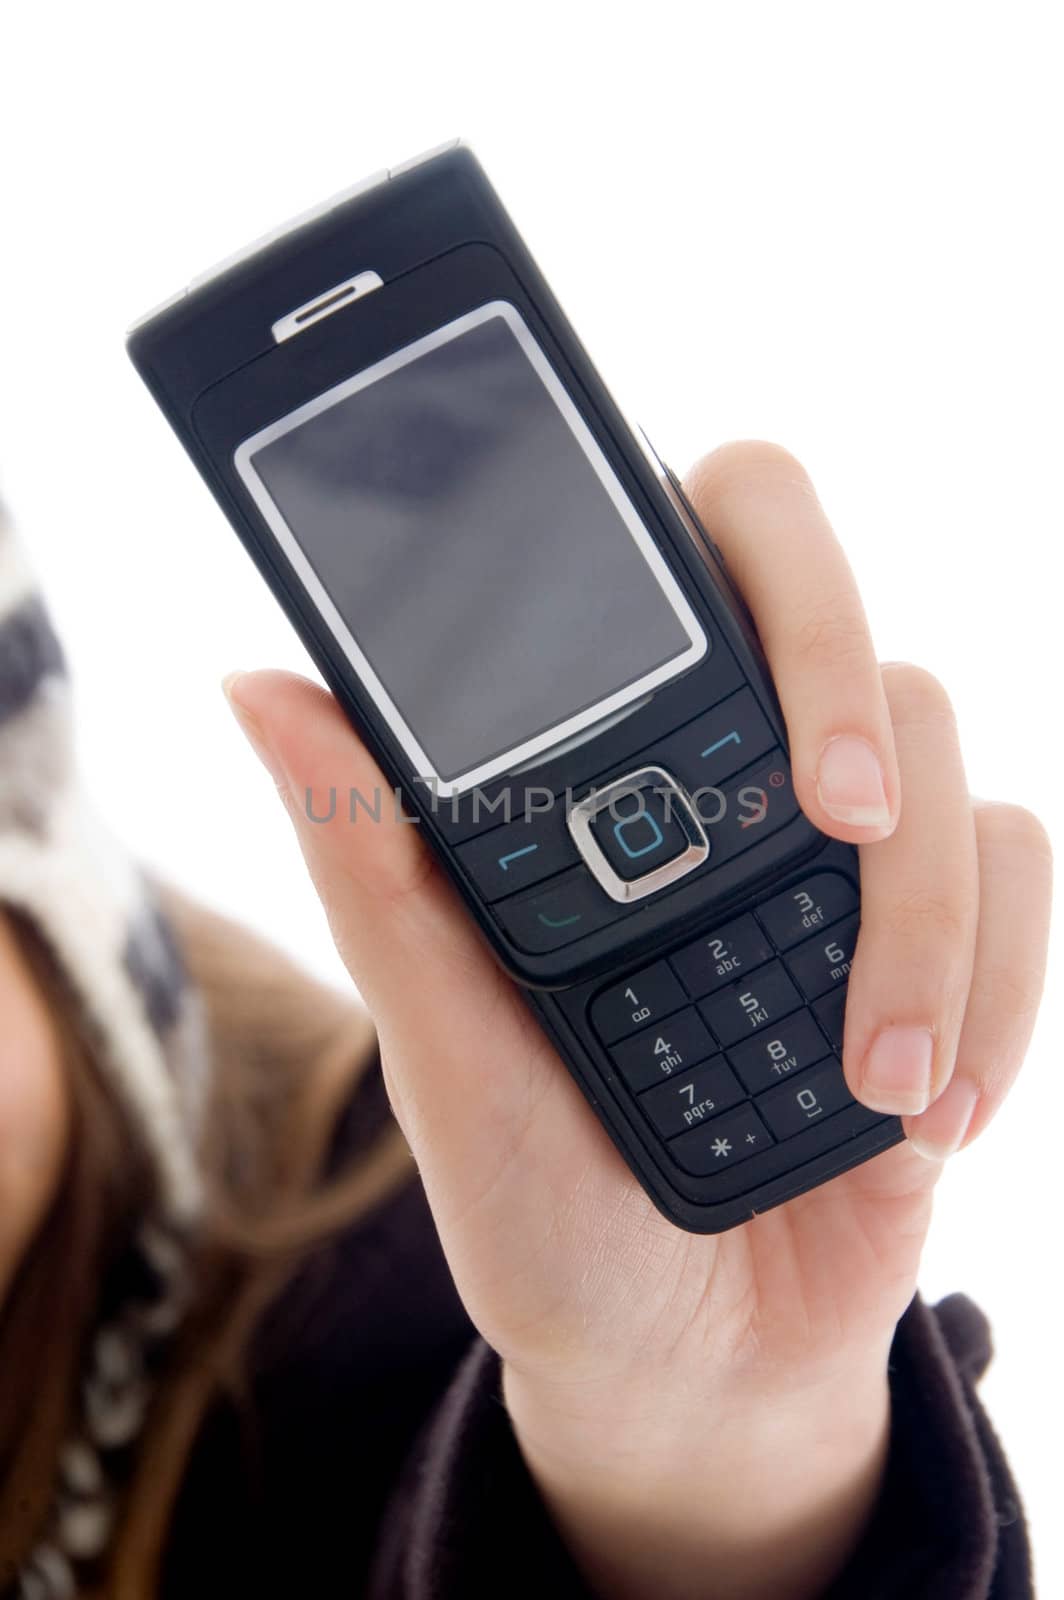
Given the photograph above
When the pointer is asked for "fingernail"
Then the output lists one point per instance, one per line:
(252, 728)
(941, 1129)
(897, 1072)
(849, 783)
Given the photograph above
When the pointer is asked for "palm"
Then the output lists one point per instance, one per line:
(558, 1253)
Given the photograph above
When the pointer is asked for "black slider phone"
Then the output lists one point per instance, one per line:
(520, 613)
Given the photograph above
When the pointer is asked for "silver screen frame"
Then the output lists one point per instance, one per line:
(520, 754)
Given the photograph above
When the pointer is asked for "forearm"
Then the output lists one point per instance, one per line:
(734, 1500)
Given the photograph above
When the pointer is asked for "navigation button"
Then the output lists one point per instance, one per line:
(638, 832)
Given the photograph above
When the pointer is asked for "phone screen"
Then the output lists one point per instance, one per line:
(471, 548)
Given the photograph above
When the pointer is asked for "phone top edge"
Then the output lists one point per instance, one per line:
(272, 236)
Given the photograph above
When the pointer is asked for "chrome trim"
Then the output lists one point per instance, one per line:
(626, 890)
(324, 304)
(405, 735)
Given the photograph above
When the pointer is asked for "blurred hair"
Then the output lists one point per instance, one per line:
(286, 1054)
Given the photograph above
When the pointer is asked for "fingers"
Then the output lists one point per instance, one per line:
(366, 859)
(919, 909)
(395, 918)
(1015, 885)
(762, 511)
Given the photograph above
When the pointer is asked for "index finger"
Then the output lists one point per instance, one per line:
(760, 507)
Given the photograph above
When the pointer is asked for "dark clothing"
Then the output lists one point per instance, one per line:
(383, 1464)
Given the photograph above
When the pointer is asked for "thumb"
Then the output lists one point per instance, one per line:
(453, 1030)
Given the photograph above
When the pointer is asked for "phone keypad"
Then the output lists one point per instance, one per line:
(725, 1066)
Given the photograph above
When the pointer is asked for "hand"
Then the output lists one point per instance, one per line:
(657, 1379)
(34, 1107)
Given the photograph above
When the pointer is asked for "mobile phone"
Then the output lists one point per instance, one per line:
(516, 606)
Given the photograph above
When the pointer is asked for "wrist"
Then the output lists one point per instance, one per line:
(678, 1493)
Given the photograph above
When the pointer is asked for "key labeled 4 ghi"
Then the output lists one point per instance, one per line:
(682, 1041)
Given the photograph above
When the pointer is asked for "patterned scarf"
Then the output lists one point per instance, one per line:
(96, 911)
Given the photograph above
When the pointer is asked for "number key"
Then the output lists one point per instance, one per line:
(686, 1101)
(823, 963)
(794, 915)
(760, 999)
(682, 1041)
(777, 1052)
(812, 1097)
(643, 998)
(722, 957)
(721, 1143)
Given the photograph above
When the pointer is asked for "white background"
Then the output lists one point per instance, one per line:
(832, 225)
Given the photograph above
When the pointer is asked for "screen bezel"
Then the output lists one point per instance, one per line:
(529, 749)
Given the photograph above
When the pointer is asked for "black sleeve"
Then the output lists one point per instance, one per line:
(949, 1522)
(466, 1518)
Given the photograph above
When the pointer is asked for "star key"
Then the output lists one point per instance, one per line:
(722, 1141)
